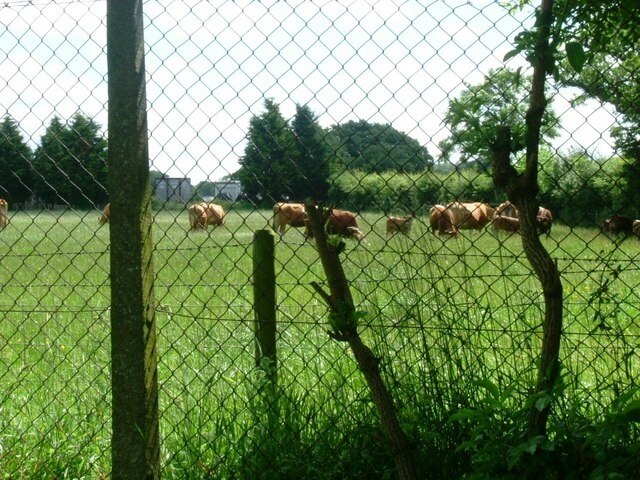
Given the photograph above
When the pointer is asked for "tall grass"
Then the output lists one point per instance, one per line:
(444, 315)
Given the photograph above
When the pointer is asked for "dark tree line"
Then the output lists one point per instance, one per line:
(300, 160)
(68, 167)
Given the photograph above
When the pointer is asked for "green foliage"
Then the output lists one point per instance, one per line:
(577, 188)
(265, 168)
(377, 148)
(70, 164)
(496, 442)
(309, 178)
(417, 192)
(602, 52)
(388, 191)
(16, 175)
(300, 161)
(345, 318)
(582, 190)
(575, 55)
(205, 189)
(473, 117)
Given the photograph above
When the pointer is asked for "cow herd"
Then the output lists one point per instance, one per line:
(621, 224)
(339, 222)
(444, 219)
(451, 218)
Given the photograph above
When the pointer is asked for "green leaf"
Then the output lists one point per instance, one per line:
(542, 402)
(511, 54)
(465, 414)
(632, 411)
(490, 387)
(575, 55)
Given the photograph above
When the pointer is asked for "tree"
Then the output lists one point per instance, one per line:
(49, 175)
(475, 116)
(206, 188)
(602, 41)
(607, 28)
(265, 168)
(522, 189)
(579, 188)
(373, 147)
(89, 161)
(16, 173)
(70, 164)
(310, 177)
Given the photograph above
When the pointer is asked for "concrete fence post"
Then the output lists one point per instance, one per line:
(135, 446)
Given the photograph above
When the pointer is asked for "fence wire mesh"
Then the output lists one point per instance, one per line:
(365, 105)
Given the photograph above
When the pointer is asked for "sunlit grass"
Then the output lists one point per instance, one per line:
(439, 311)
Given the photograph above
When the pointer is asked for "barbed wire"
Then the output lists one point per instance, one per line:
(321, 322)
(446, 254)
(175, 309)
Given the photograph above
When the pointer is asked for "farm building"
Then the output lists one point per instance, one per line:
(228, 189)
(173, 189)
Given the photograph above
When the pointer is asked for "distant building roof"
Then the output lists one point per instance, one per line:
(173, 189)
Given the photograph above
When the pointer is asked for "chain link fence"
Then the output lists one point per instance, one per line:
(233, 90)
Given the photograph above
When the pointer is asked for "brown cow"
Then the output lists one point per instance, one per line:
(287, 214)
(4, 213)
(340, 222)
(618, 224)
(505, 224)
(203, 214)
(400, 224)
(106, 214)
(506, 209)
(441, 219)
(544, 219)
(473, 215)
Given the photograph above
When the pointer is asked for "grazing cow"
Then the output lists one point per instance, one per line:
(441, 219)
(4, 213)
(618, 224)
(505, 224)
(340, 222)
(106, 214)
(203, 214)
(507, 209)
(400, 224)
(287, 214)
(473, 215)
(544, 219)
(636, 228)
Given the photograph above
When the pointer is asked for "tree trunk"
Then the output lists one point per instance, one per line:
(522, 190)
(343, 319)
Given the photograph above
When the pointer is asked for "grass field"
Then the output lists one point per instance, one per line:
(441, 313)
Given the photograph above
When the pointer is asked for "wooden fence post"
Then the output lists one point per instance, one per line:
(135, 445)
(264, 302)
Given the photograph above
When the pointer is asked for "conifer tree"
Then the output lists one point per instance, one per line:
(268, 165)
(16, 173)
(312, 164)
(70, 164)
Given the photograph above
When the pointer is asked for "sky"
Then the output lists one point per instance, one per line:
(211, 64)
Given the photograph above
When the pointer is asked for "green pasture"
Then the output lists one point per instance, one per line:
(442, 313)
